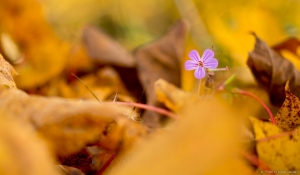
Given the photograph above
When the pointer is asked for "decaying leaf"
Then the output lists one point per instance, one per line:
(160, 59)
(288, 116)
(69, 125)
(22, 151)
(6, 73)
(104, 50)
(204, 142)
(272, 71)
(170, 95)
(280, 153)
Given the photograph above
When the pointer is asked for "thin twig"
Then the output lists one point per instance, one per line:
(107, 163)
(86, 87)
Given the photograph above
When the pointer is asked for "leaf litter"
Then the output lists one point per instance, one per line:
(73, 133)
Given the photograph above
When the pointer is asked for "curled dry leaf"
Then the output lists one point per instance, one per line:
(170, 95)
(22, 151)
(272, 71)
(69, 125)
(160, 59)
(281, 153)
(291, 44)
(104, 50)
(288, 116)
(6, 73)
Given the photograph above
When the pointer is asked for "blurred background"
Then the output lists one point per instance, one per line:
(224, 24)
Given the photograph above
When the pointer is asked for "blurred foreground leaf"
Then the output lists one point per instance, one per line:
(69, 125)
(22, 151)
(203, 142)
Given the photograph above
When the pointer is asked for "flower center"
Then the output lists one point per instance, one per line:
(200, 63)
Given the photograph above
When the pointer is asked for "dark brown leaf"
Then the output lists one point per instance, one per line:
(160, 59)
(291, 44)
(272, 71)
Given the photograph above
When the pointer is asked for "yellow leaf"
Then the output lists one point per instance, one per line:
(203, 142)
(280, 153)
(6, 73)
(45, 54)
(22, 151)
(288, 116)
(173, 97)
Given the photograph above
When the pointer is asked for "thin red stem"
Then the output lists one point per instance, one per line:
(107, 163)
(255, 161)
(259, 100)
(149, 107)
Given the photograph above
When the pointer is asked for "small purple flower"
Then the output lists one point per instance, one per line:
(201, 64)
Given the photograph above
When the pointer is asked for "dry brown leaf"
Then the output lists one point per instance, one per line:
(272, 71)
(69, 125)
(104, 50)
(160, 59)
(6, 73)
(22, 151)
(288, 116)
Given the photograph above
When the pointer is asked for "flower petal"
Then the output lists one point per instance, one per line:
(194, 55)
(190, 65)
(207, 54)
(211, 63)
(199, 72)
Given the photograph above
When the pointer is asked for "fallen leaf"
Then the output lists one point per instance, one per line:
(6, 73)
(69, 125)
(104, 50)
(280, 153)
(160, 59)
(171, 96)
(291, 44)
(22, 151)
(203, 143)
(272, 71)
(44, 53)
(288, 116)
